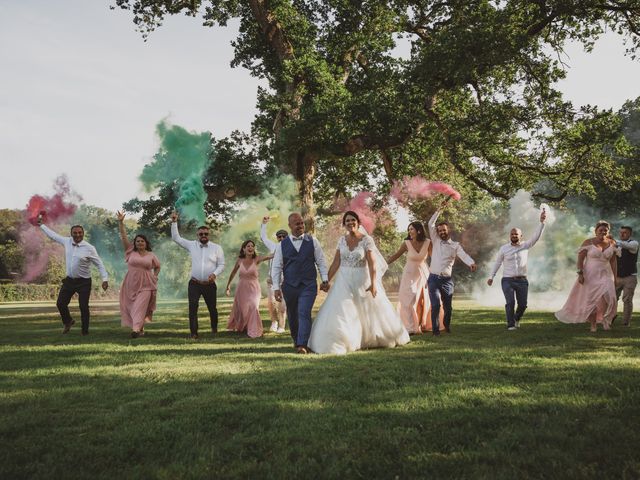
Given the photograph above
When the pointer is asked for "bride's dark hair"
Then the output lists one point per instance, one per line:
(353, 214)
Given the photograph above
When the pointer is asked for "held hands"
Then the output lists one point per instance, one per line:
(174, 216)
(120, 215)
(105, 285)
(490, 281)
(324, 286)
(277, 294)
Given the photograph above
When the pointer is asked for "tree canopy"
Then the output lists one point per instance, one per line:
(461, 90)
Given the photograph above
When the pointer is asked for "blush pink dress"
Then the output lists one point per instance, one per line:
(138, 290)
(597, 295)
(413, 302)
(245, 315)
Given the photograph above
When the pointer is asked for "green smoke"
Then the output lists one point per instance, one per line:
(183, 158)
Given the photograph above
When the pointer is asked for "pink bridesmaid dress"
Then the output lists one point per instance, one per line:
(245, 315)
(597, 295)
(413, 301)
(138, 290)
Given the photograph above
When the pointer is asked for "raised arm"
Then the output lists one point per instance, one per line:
(53, 235)
(263, 235)
(123, 232)
(631, 245)
(175, 235)
(536, 235)
(398, 254)
(233, 274)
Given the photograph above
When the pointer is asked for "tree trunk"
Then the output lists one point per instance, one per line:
(305, 174)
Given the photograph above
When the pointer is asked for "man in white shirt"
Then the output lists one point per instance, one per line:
(277, 310)
(79, 255)
(627, 271)
(294, 277)
(440, 283)
(207, 263)
(515, 285)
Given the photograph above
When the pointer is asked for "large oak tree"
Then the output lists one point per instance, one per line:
(462, 89)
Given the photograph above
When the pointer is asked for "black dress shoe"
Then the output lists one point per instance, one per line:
(447, 329)
(194, 336)
(135, 334)
(84, 334)
(436, 333)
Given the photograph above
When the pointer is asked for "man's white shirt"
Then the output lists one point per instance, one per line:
(206, 259)
(444, 252)
(78, 257)
(514, 257)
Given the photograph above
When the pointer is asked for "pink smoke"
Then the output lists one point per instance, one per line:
(412, 188)
(56, 209)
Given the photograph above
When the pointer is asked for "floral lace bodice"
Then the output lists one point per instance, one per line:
(355, 258)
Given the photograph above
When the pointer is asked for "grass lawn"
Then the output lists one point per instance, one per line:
(546, 401)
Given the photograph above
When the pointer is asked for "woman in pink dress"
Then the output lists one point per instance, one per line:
(140, 284)
(413, 303)
(593, 296)
(245, 314)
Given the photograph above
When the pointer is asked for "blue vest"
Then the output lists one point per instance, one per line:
(299, 267)
(627, 263)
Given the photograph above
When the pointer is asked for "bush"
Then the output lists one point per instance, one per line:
(24, 292)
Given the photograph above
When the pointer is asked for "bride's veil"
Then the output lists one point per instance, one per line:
(381, 264)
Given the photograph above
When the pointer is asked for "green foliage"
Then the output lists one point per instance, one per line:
(11, 254)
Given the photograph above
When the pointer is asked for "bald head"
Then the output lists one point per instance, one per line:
(515, 236)
(296, 224)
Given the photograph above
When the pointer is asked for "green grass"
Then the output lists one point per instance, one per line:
(547, 401)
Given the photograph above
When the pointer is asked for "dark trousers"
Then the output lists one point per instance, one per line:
(300, 300)
(440, 293)
(81, 286)
(515, 289)
(195, 291)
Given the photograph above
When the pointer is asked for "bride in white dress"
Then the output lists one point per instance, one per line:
(356, 313)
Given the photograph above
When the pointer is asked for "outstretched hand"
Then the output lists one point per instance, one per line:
(120, 216)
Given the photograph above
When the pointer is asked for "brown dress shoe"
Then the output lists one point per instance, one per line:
(302, 350)
(67, 326)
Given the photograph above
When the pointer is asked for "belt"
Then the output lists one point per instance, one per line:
(518, 277)
(440, 275)
(202, 282)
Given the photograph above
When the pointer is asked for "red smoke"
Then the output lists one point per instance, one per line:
(55, 208)
(411, 188)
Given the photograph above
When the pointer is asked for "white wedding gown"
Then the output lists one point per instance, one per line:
(351, 318)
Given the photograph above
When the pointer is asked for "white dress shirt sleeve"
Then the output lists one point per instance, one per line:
(631, 245)
(536, 236)
(462, 255)
(97, 261)
(320, 261)
(53, 235)
(175, 236)
(271, 246)
(496, 265)
(431, 225)
(276, 268)
(220, 262)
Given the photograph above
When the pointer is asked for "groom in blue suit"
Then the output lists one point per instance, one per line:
(294, 264)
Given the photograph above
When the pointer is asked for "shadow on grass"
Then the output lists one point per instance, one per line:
(547, 401)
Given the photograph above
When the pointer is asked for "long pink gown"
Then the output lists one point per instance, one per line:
(597, 295)
(245, 314)
(138, 290)
(413, 301)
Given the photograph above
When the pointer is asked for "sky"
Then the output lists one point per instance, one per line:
(81, 93)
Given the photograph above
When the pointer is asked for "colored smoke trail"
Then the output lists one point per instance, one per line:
(183, 159)
(56, 208)
(413, 188)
